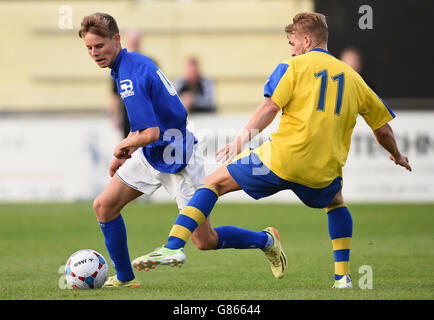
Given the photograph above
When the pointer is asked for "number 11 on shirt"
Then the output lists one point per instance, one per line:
(340, 78)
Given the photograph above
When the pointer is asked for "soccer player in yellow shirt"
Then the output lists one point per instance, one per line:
(320, 98)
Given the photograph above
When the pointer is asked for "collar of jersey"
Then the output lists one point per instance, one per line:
(320, 50)
(115, 68)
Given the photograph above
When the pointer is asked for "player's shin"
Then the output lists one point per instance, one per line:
(198, 209)
(115, 235)
(340, 225)
(238, 238)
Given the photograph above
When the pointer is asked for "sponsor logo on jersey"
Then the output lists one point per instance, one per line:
(126, 88)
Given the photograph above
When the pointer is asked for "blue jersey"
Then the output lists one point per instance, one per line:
(151, 101)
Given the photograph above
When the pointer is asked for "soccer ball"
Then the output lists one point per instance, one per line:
(86, 269)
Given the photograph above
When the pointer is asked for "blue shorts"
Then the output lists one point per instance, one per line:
(259, 182)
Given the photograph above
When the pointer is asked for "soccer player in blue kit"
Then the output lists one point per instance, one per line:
(167, 153)
(159, 151)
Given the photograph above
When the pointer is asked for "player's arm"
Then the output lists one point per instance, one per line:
(278, 90)
(136, 140)
(130, 144)
(141, 114)
(377, 115)
(262, 117)
(386, 139)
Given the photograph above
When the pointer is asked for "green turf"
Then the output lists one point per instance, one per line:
(397, 241)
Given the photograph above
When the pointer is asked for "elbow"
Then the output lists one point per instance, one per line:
(148, 136)
(154, 134)
(383, 133)
(271, 107)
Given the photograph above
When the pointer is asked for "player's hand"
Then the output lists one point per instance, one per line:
(115, 165)
(122, 152)
(401, 160)
(229, 151)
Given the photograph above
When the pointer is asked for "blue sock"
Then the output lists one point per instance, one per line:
(115, 235)
(238, 238)
(340, 225)
(197, 210)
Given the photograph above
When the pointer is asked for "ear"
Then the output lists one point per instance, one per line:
(307, 41)
(117, 38)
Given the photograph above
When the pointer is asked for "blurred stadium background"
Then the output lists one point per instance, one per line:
(56, 142)
(55, 136)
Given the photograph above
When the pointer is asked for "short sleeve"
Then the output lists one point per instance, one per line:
(279, 86)
(139, 106)
(373, 109)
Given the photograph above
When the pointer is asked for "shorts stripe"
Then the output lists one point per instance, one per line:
(128, 184)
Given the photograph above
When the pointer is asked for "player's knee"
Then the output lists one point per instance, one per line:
(97, 208)
(202, 243)
(337, 200)
(212, 183)
(102, 210)
(222, 181)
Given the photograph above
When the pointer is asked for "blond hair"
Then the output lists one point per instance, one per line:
(310, 23)
(101, 24)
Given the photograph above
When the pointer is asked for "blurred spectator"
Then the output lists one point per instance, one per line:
(195, 90)
(354, 58)
(117, 112)
(132, 40)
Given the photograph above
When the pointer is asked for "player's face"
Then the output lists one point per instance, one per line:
(103, 50)
(298, 43)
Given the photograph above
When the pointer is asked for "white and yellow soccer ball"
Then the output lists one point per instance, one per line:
(86, 269)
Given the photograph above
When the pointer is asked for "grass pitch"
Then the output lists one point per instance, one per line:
(395, 240)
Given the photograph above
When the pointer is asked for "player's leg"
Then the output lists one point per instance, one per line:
(115, 196)
(224, 237)
(340, 226)
(194, 221)
(200, 205)
(194, 214)
(196, 217)
(205, 237)
(107, 207)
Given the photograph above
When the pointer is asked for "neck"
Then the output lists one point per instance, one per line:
(318, 46)
(118, 49)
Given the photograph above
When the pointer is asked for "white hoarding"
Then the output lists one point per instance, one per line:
(45, 159)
